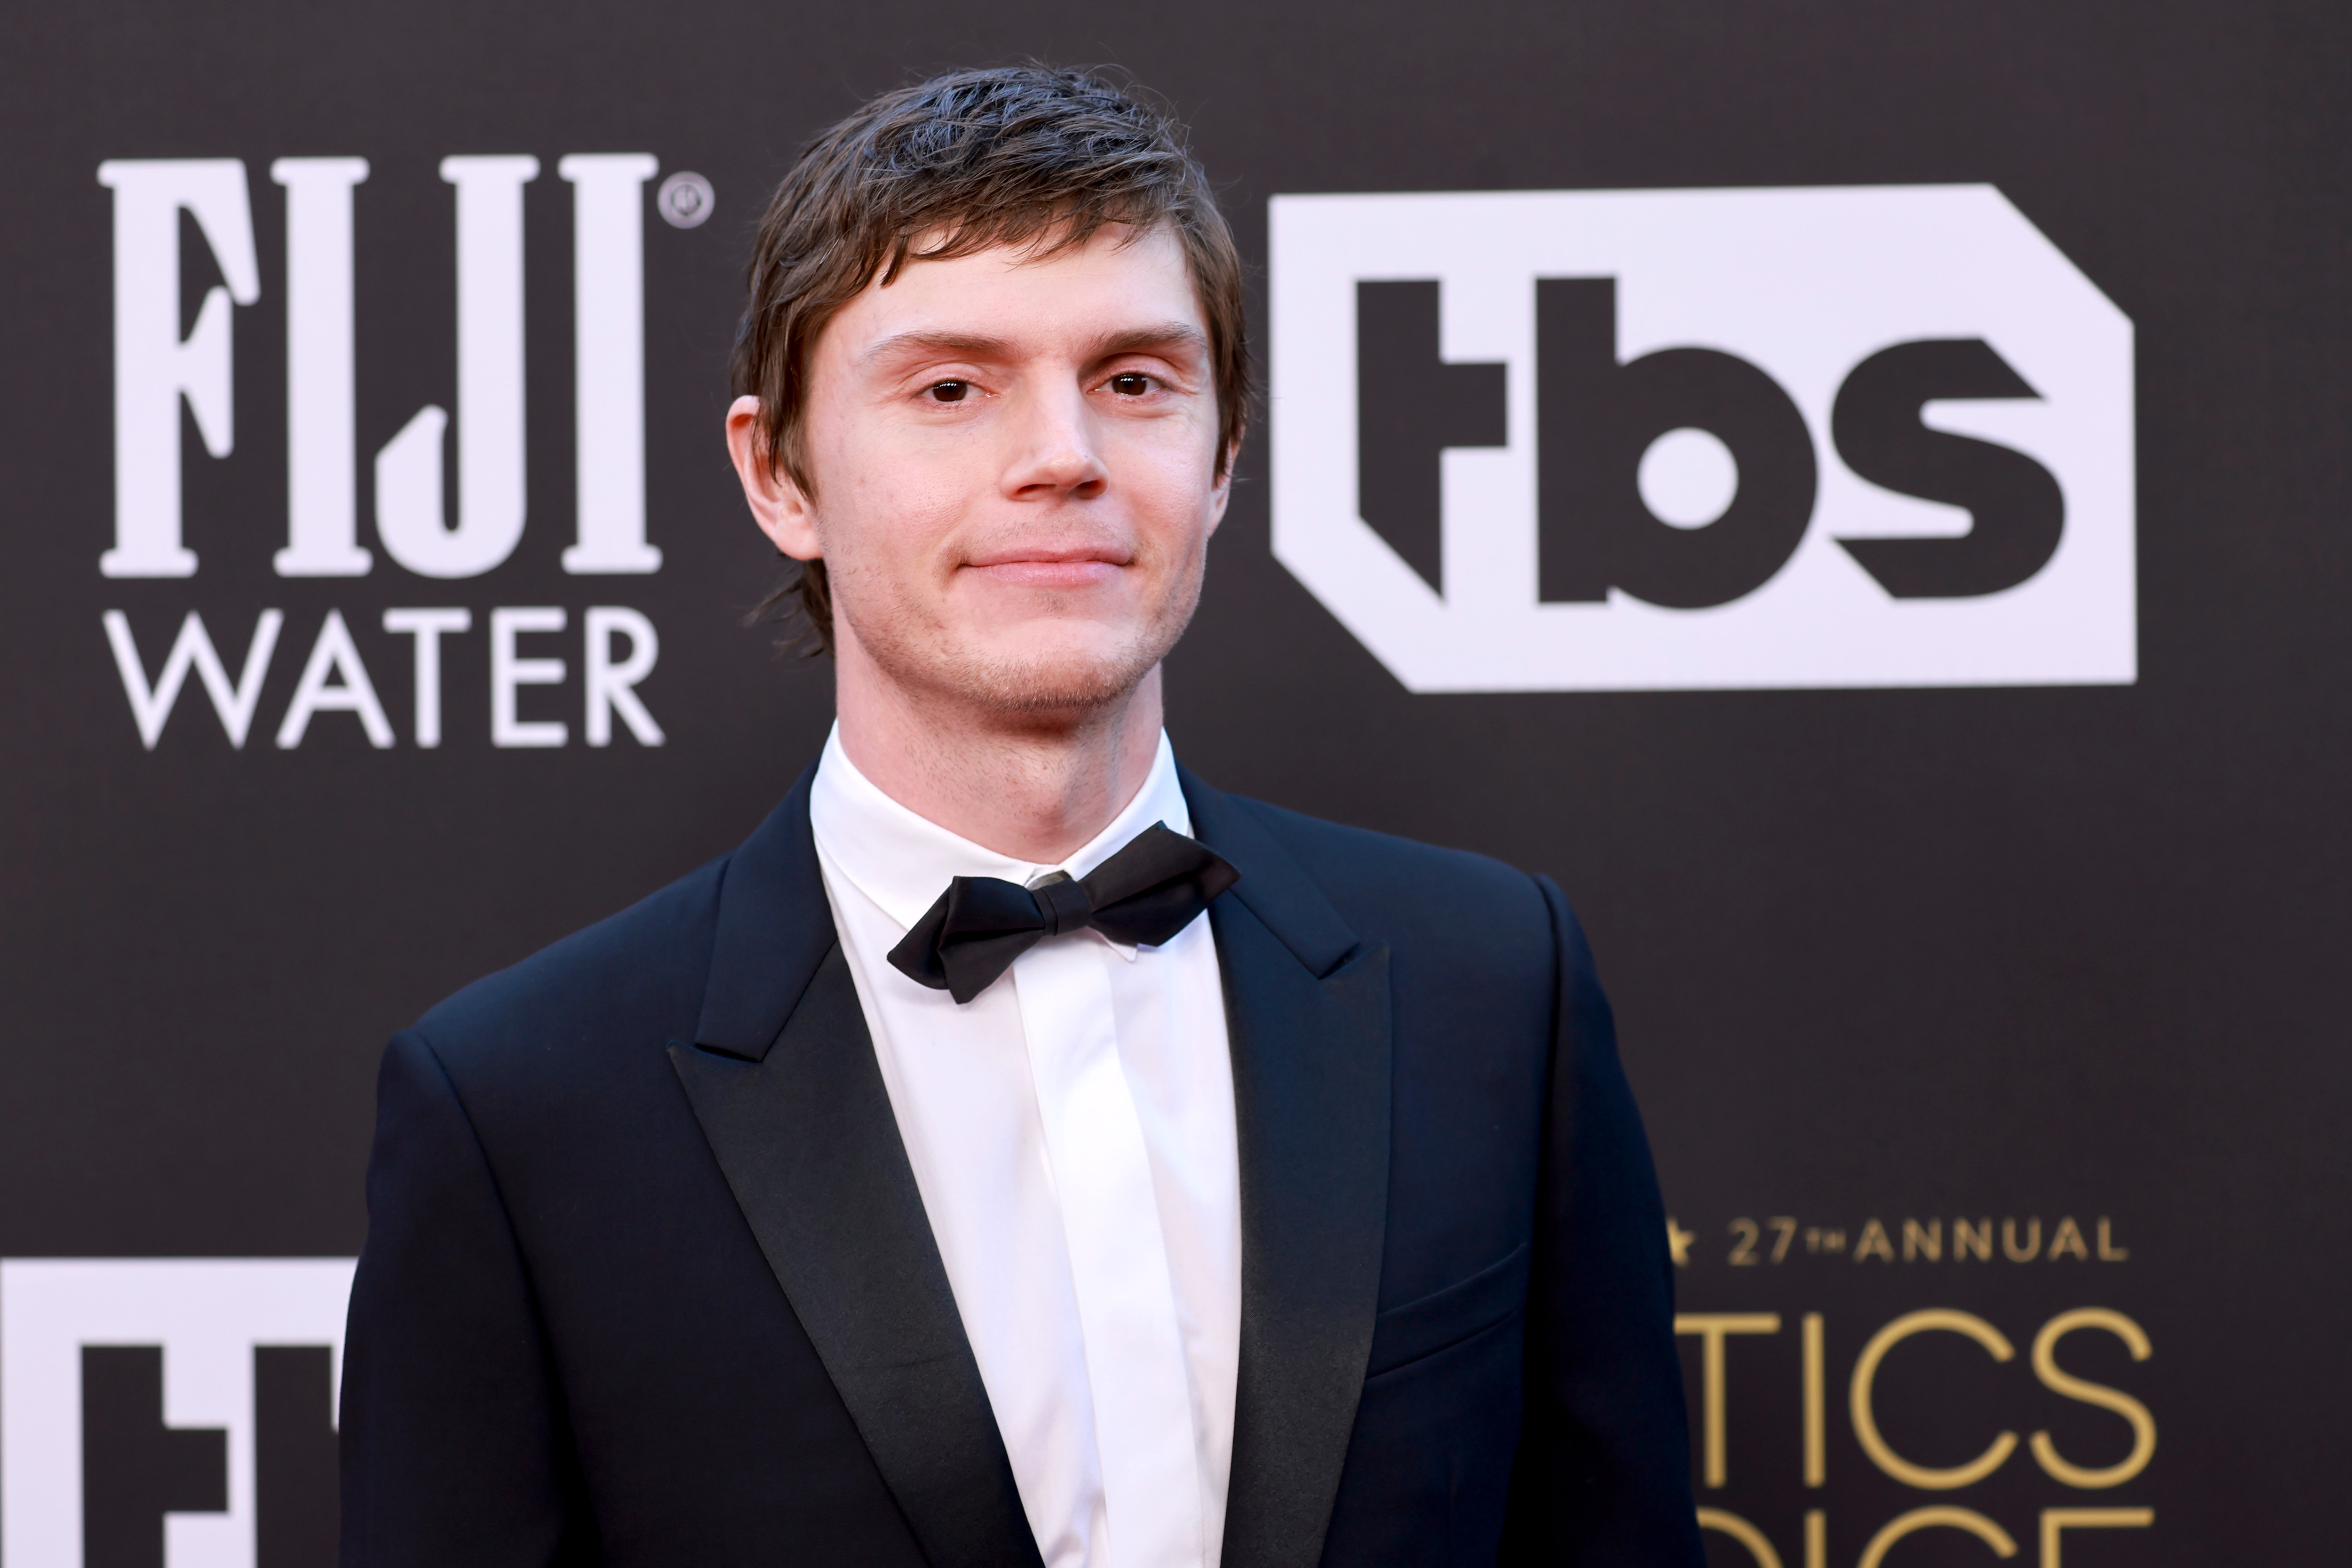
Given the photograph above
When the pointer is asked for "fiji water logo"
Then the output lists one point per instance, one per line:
(424, 523)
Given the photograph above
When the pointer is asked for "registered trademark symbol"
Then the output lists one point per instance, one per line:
(685, 200)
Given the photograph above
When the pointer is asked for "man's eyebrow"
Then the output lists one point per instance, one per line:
(970, 345)
(981, 346)
(1163, 334)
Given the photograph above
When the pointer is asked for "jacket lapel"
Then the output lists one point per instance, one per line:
(782, 1077)
(1306, 1007)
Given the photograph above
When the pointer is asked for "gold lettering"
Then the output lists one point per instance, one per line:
(1975, 1239)
(1739, 1530)
(1744, 1255)
(2108, 1251)
(1874, 1242)
(2054, 1520)
(1945, 1517)
(2142, 1425)
(1865, 1421)
(1711, 1329)
(1817, 1539)
(1787, 1226)
(2069, 1238)
(1929, 1242)
(2032, 1248)
(1816, 1464)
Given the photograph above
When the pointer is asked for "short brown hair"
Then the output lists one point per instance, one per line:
(1023, 155)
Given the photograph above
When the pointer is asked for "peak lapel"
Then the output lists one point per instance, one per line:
(1307, 1012)
(783, 1081)
(774, 928)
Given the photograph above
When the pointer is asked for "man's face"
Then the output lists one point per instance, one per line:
(1015, 472)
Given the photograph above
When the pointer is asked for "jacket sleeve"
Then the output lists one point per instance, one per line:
(1602, 1477)
(455, 1452)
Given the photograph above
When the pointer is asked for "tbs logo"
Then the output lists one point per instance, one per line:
(1658, 439)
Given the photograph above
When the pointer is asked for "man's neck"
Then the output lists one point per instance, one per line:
(1031, 787)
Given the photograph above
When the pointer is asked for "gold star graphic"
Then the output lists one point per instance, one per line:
(1678, 1242)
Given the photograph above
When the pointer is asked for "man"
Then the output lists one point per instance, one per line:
(1017, 1151)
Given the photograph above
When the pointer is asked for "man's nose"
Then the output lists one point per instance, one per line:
(1055, 455)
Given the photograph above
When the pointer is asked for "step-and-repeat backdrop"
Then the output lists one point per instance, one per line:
(1857, 493)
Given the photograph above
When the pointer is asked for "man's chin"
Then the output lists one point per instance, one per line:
(1053, 677)
(1045, 687)
(1043, 670)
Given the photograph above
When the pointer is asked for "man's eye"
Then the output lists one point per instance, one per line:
(950, 391)
(1131, 385)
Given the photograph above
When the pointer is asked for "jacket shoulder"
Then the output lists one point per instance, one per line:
(642, 968)
(1471, 908)
(1345, 859)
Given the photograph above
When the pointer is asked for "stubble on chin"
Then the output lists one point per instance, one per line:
(921, 655)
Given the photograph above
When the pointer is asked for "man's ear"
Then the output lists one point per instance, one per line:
(1224, 489)
(778, 503)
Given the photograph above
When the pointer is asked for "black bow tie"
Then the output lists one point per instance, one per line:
(1138, 897)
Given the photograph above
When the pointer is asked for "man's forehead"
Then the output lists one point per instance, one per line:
(1135, 288)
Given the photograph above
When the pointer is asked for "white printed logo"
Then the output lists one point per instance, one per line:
(156, 370)
(1559, 441)
(155, 367)
(179, 1412)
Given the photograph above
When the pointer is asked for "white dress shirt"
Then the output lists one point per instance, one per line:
(1071, 1131)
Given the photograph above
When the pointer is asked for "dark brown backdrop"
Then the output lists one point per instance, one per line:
(1877, 955)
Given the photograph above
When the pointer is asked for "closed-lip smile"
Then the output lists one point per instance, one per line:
(1047, 565)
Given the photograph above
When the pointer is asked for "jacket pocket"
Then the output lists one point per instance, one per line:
(1447, 1317)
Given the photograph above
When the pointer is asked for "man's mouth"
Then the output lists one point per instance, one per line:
(1047, 566)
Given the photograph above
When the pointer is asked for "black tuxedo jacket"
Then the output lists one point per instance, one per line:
(647, 1280)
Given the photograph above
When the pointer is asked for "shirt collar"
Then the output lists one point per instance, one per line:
(903, 862)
